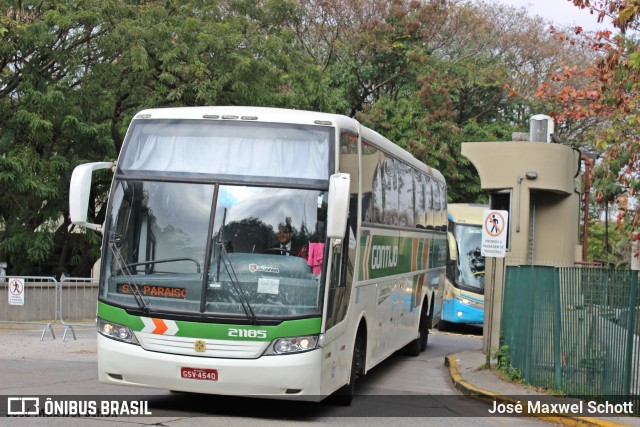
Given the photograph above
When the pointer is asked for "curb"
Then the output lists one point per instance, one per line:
(489, 397)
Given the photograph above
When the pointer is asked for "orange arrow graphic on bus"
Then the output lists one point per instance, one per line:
(159, 326)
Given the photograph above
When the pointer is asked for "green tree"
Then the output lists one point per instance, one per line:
(428, 75)
(610, 245)
(73, 73)
(48, 123)
(605, 94)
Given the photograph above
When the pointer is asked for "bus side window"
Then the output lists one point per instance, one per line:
(390, 192)
(406, 211)
(428, 201)
(419, 202)
(443, 207)
(371, 184)
(435, 191)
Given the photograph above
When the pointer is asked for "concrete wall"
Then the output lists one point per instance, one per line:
(553, 224)
(556, 229)
(544, 212)
(46, 301)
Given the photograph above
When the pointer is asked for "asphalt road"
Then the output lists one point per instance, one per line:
(400, 391)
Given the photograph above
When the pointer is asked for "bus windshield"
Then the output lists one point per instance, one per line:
(162, 256)
(470, 266)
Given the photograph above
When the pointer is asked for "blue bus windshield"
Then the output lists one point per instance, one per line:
(470, 271)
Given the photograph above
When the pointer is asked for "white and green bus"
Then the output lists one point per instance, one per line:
(195, 297)
(463, 294)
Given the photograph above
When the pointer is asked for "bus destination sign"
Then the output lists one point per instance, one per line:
(153, 291)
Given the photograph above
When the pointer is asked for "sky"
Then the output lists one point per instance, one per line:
(561, 12)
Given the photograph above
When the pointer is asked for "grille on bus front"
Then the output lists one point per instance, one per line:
(213, 348)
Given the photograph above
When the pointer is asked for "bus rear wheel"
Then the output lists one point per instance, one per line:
(415, 347)
(425, 321)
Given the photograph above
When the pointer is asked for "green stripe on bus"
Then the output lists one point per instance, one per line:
(288, 328)
(391, 255)
(438, 256)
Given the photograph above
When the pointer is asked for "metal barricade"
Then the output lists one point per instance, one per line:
(574, 329)
(30, 300)
(77, 298)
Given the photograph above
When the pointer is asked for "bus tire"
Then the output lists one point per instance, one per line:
(415, 347)
(425, 321)
(344, 395)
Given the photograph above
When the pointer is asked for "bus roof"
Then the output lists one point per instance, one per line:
(467, 213)
(259, 114)
(281, 115)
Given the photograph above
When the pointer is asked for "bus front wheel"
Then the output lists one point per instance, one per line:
(344, 395)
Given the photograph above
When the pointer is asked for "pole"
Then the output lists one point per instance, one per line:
(587, 191)
(628, 356)
(606, 227)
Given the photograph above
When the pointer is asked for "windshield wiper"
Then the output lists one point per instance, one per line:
(224, 257)
(114, 246)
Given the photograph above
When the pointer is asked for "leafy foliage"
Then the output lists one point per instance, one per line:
(504, 364)
(605, 95)
(610, 245)
(426, 74)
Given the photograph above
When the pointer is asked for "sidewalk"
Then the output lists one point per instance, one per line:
(473, 380)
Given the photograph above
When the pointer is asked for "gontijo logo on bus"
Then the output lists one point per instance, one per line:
(384, 256)
(388, 255)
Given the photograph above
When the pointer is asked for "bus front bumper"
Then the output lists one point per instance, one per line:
(295, 376)
(455, 312)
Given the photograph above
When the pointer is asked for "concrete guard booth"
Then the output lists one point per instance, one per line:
(537, 183)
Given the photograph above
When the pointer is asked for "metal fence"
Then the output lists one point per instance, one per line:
(575, 330)
(78, 298)
(45, 301)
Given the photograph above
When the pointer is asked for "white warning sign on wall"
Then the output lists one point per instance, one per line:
(16, 291)
(494, 233)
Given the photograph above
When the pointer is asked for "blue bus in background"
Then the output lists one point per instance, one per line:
(462, 299)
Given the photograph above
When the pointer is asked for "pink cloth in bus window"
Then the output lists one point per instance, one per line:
(316, 252)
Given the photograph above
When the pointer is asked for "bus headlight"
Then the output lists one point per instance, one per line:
(116, 332)
(465, 301)
(295, 344)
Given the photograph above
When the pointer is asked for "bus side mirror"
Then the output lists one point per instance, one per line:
(338, 205)
(79, 191)
(453, 247)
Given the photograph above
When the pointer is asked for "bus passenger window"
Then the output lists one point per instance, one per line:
(371, 184)
(418, 191)
(428, 201)
(389, 193)
(443, 207)
(437, 204)
(405, 195)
